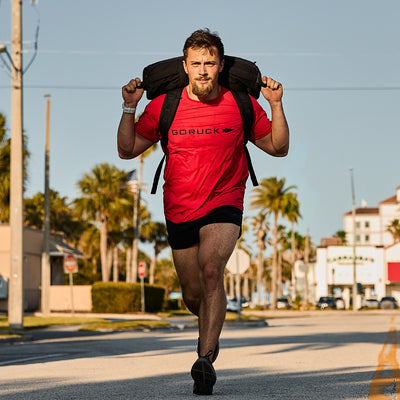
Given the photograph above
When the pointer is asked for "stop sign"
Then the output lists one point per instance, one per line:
(70, 264)
(142, 269)
(238, 262)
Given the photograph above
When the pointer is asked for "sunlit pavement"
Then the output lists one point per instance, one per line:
(313, 356)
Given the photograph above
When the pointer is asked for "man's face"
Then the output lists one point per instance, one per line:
(203, 69)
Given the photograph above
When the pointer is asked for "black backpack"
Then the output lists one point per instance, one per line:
(240, 76)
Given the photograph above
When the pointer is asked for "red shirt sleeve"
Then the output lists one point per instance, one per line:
(147, 125)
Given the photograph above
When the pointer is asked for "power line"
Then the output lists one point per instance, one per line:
(298, 89)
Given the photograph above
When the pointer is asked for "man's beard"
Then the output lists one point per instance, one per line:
(203, 90)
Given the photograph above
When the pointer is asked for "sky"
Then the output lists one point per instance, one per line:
(338, 62)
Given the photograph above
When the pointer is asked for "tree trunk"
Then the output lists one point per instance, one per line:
(293, 251)
(274, 263)
(115, 264)
(103, 249)
(153, 265)
(280, 289)
(109, 263)
(129, 265)
(260, 263)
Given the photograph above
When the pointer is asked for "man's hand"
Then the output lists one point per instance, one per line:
(273, 91)
(131, 93)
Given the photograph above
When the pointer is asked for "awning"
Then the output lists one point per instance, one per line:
(59, 248)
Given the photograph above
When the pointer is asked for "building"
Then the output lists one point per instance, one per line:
(376, 251)
(32, 261)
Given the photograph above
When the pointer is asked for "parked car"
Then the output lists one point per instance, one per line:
(339, 303)
(232, 304)
(371, 303)
(388, 303)
(325, 302)
(283, 302)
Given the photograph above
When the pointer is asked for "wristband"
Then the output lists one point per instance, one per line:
(128, 110)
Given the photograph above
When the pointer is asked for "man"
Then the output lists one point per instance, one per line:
(205, 177)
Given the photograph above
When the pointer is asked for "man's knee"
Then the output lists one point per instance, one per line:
(212, 276)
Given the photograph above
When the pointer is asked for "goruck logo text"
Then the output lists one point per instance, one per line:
(207, 131)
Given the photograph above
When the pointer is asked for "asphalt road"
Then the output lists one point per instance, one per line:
(324, 356)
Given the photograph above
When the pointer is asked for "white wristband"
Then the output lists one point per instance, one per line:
(127, 110)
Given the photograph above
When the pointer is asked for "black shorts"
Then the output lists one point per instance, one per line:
(186, 234)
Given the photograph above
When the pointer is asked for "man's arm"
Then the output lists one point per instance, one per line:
(277, 142)
(130, 144)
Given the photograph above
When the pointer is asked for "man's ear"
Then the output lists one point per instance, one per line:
(221, 67)
(184, 65)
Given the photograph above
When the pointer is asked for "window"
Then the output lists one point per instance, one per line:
(358, 238)
(367, 238)
(358, 224)
(366, 224)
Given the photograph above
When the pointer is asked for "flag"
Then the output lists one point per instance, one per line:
(131, 180)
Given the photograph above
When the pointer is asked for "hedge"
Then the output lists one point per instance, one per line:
(121, 297)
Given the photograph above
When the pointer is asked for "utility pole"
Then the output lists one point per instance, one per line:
(45, 293)
(15, 301)
(354, 241)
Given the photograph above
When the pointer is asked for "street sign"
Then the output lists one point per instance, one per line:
(142, 270)
(238, 262)
(70, 264)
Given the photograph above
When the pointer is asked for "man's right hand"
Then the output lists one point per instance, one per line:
(131, 93)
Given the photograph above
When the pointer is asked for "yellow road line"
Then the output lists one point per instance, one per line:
(386, 382)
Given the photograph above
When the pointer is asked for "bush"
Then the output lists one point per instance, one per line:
(120, 297)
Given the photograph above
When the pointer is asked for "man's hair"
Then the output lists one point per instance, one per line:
(204, 39)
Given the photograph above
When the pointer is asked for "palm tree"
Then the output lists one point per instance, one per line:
(394, 229)
(260, 226)
(342, 237)
(5, 158)
(292, 214)
(156, 233)
(133, 268)
(62, 218)
(271, 197)
(100, 196)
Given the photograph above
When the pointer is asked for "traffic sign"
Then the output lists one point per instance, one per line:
(70, 264)
(142, 269)
(238, 262)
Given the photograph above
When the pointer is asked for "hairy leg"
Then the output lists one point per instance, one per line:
(188, 270)
(217, 242)
(201, 274)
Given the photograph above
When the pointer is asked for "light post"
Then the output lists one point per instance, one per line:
(354, 241)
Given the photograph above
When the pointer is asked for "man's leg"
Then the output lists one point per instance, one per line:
(188, 270)
(201, 274)
(217, 242)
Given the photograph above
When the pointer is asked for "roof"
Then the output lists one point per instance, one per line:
(330, 241)
(390, 200)
(59, 248)
(365, 210)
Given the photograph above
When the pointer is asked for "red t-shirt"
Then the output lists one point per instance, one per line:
(206, 165)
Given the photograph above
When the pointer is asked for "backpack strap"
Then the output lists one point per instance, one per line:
(246, 111)
(167, 115)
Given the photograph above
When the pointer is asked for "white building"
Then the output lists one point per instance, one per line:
(377, 256)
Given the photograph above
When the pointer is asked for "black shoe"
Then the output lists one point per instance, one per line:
(204, 376)
(215, 352)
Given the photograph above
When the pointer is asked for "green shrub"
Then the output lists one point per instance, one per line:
(121, 297)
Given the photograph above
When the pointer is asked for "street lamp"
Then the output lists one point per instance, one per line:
(354, 241)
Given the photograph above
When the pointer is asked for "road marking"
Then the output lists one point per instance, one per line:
(21, 360)
(386, 382)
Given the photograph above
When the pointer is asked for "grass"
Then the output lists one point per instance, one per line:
(110, 326)
(88, 324)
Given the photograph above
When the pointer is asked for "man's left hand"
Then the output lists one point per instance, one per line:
(273, 91)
